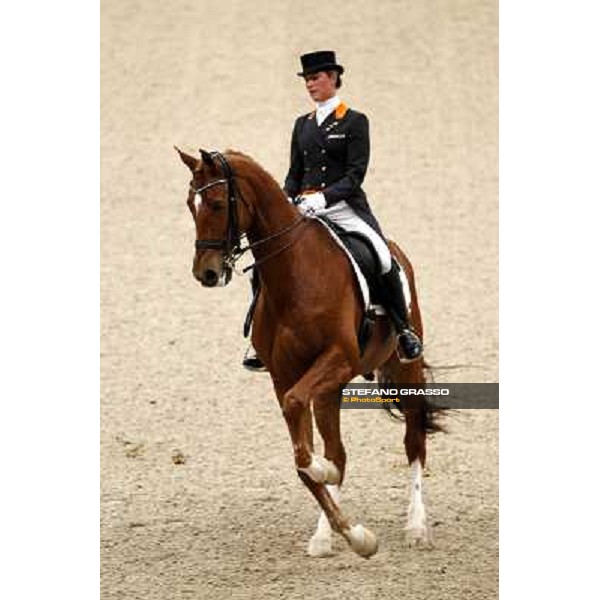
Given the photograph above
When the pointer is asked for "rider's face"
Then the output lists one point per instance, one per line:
(321, 85)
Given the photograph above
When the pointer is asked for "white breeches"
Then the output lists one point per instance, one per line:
(345, 217)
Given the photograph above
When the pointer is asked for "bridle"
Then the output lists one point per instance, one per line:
(230, 246)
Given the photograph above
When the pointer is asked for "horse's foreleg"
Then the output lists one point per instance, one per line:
(327, 418)
(414, 443)
(319, 383)
(320, 543)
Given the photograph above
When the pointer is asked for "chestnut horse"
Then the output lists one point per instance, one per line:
(305, 327)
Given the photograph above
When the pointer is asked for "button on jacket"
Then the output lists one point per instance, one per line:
(332, 158)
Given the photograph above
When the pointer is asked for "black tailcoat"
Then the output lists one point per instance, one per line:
(332, 158)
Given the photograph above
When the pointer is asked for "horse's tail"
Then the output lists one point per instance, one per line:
(431, 416)
(395, 372)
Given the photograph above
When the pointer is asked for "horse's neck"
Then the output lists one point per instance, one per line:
(274, 214)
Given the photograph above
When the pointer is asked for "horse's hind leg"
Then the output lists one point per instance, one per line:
(416, 417)
(415, 447)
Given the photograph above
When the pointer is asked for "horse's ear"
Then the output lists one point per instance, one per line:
(189, 161)
(207, 158)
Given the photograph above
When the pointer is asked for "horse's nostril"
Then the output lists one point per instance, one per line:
(210, 277)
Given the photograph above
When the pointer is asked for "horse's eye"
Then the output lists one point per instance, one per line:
(217, 205)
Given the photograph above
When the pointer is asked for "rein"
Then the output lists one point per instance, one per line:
(257, 263)
(231, 244)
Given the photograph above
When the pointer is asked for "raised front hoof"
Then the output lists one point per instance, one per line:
(418, 537)
(319, 547)
(362, 541)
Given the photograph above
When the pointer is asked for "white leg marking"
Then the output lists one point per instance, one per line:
(416, 527)
(320, 543)
(321, 470)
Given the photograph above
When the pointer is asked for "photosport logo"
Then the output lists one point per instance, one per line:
(438, 395)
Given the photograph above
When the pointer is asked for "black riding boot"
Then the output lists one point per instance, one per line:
(251, 360)
(395, 304)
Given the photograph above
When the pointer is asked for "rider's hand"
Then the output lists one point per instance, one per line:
(311, 203)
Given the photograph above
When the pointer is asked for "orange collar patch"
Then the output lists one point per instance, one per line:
(340, 111)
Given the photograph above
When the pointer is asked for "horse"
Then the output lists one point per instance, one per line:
(305, 329)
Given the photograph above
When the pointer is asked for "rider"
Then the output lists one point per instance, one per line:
(329, 159)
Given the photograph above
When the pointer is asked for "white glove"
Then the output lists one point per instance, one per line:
(311, 203)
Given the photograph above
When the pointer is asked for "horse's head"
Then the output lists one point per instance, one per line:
(219, 215)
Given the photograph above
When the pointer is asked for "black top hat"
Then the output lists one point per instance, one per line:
(323, 60)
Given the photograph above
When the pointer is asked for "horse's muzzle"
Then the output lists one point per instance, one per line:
(211, 278)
